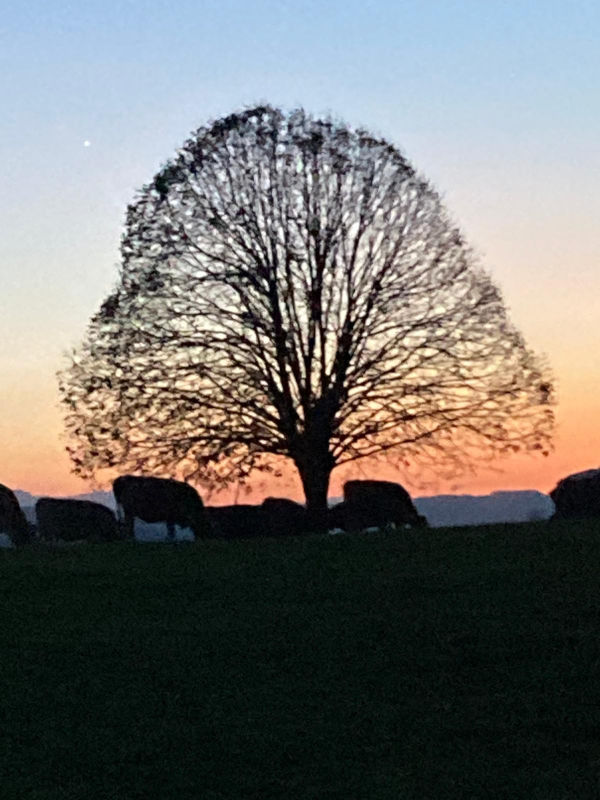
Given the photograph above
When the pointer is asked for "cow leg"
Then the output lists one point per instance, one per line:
(129, 525)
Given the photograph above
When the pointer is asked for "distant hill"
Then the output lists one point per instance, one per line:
(440, 510)
(25, 499)
(468, 509)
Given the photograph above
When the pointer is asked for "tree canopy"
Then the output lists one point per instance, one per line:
(291, 288)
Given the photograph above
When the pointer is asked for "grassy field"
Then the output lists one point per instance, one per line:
(457, 663)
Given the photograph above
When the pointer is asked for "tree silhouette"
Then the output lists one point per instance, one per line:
(291, 288)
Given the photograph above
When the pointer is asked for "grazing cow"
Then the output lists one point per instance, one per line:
(370, 504)
(284, 517)
(238, 522)
(160, 500)
(338, 517)
(577, 495)
(12, 518)
(71, 520)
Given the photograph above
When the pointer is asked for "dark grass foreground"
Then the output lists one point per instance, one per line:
(457, 663)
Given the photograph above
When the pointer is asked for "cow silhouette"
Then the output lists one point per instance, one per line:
(160, 500)
(374, 504)
(276, 516)
(71, 520)
(242, 521)
(577, 495)
(12, 518)
(284, 517)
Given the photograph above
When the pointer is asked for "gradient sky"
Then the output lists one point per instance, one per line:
(497, 103)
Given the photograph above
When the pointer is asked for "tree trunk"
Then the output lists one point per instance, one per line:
(314, 474)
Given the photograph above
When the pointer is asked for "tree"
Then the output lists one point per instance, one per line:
(291, 288)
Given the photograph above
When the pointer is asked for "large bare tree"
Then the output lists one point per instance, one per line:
(291, 288)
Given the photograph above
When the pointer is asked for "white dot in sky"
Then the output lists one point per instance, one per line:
(87, 143)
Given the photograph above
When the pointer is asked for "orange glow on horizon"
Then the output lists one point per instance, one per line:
(49, 474)
(34, 458)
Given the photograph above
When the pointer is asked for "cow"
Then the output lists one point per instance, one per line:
(12, 519)
(338, 517)
(577, 495)
(241, 521)
(160, 500)
(71, 520)
(284, 517)
(369, 504)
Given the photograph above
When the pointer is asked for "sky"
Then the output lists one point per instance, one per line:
(497, 103)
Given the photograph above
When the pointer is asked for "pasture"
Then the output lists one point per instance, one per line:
(440, 663)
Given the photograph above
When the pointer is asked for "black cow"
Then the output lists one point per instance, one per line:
(284, 517)
(577, 495)
(338, 516)
(242, 521)
(160, 500)
(370, 504)
(12, 518)
(71, 520)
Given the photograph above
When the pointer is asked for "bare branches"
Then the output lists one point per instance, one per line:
(290, 287)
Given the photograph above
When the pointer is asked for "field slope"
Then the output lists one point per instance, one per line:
(457, 663)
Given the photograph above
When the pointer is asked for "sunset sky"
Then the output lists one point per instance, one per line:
(497, 103)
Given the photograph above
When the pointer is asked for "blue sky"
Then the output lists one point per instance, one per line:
(497, 103)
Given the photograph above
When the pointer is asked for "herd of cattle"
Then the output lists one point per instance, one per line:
(366, 504)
